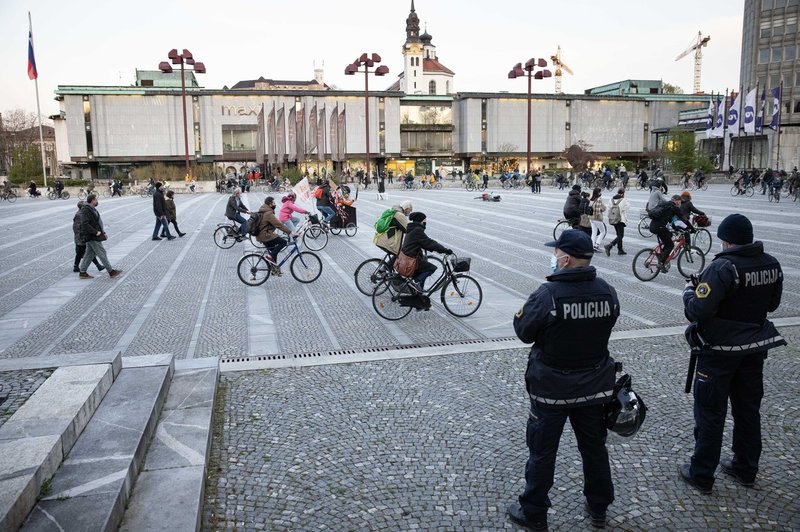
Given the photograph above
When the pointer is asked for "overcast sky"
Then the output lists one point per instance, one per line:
(93, 42)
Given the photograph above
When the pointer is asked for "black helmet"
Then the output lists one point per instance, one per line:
(626, 412)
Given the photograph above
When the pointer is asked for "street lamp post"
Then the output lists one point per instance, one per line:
(367, 61)
(518, 71)
(182, 59)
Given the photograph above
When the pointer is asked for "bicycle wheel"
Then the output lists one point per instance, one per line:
(335, 230)
(438, 186)
(462, 295)
(385, 301)
(223, 238)
(704, 186)
(253, 269)
(691, 261)
(369, 273)
(106, 193)
(560, 227)
(11, 197)
(255, 242)
(51, 195)
(306, 267)
(749, 191)
(315, 238)
(702, 240)
(506, 185)
(470, 187)
(82, 195)
(644, 227)
(645, 265)
(351, 229)
(734, 190)
(65, 195)
(771, 197)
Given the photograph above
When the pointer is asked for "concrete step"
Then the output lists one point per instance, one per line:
(90, 489)
(169, 491)
(35, 440)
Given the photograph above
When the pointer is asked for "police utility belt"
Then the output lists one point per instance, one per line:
(571, 387)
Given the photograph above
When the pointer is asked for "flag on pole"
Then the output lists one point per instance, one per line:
(710, 118)
(342, 149)
(775, 120)
(312, 128)
(271, 135)
(334, 133)
(750, 112)
(321, 135)
(719, 121)
(301, 133)
(32, 72)
(292, 134)
(760, 115)
(280, 136)
(734, 121)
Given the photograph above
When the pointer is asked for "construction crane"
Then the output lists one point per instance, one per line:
(696, 46)
(559, 67)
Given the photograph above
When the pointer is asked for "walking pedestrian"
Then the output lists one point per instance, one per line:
(172, 216)
(569, 375)
(728, 309)
(93, 234)
(80, 245)
(598, 208)
(618, 219)
(382, 187)
(160, 210)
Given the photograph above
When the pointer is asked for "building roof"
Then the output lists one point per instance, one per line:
(433, 65)
(263, 83)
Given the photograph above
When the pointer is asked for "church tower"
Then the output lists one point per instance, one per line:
(412, 80)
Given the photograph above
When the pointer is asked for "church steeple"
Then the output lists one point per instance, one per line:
(412, 26)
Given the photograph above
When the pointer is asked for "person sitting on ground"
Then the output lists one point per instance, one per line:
(233, 210)
(572, 211)
(415, 242)
(287, 208)
(266, 233)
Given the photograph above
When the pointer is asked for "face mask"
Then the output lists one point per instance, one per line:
(554, 264)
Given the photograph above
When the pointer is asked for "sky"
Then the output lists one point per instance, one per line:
(93, 42)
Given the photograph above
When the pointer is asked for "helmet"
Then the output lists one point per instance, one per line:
(626, 412)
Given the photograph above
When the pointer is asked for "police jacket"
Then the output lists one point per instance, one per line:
(732, 299)
(569, 320)
(159, 203)
(571, 209)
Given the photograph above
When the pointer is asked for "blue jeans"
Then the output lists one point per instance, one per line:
(327, 212)
(545, 425)
(292, 223)
(243, 223)
(161, 222)
(424, 270)
(719, 377)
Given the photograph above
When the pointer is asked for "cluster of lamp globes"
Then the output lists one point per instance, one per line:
(367, 61)
(531, 64)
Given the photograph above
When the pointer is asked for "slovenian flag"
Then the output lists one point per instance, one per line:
(32, 73)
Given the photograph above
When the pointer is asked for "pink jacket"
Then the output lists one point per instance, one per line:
(286, 210)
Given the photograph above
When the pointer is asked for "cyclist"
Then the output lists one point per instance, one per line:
(415, 242)
(642, 176)
(7, 190)
(685, 178)
(324, 202)
(287, 208)
(572, 211)
(699, 177)
(116, 188)
(661, 216)
(687, 207)
(266, 233)
(656, 196)
(59, 187)
(391, 239)
(233, 211)
(32, 192)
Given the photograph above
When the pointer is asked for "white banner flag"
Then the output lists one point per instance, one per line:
(304, 197)
(734, 122)
(719, 121)
(750, 112)
(710, 118)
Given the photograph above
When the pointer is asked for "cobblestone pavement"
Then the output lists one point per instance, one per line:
(16, 387)
(439, 444)
(418, 443)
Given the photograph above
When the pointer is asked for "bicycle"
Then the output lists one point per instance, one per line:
(460, 293)
(314, 236)
(255, 268)
(8, 195)
(644, 225)
(227, 234)
(510, 183)
(52, 194)
(407, 185)
(774, 195)
(748, 190)
(702, 236)
(373, 271)
(691, 260)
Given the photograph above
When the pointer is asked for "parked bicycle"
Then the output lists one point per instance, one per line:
(461, 295)
(255, 268)
(691, 260)
(373, 271)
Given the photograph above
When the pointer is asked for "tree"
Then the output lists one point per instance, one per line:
(26, 163)
(669, 88)
(17, 128)
(506, 160)
(579, 155)
(682, 153)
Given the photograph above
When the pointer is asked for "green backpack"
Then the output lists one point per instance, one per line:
(383, 223)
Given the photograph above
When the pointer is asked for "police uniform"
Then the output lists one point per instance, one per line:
(728, 308)
(569, 375)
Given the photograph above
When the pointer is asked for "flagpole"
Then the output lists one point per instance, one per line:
(725, 137)
(38, 111)
(780, 112)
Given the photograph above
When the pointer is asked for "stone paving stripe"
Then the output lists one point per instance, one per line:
(203, 306)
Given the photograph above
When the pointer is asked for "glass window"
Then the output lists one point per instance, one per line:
(238, 139)
(432, 87)
(763, 55)
(778, 3)
(426, 114)
(791, 29)
(765, 32)
(777, 31)
(796, 79)
(777, 53)
(766, 4)
(792, 3)
(788, 52)
(797, 106)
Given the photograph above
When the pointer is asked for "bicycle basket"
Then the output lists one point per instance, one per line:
(701, 220)
(460, 264)
(314, 219)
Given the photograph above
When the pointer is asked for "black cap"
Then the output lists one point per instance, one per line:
(417, 216)
(576, 187)
(575, 243)
(736, 229)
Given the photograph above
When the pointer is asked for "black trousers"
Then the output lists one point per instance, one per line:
(80, 251)
(620, 230)
(545, 425)
(739, 378)
(665, 239)
(174, 224)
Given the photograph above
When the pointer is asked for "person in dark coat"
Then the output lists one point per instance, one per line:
(572, 211)
(416, 241)
(80, 245)
(172, 215)
(93, 234)
(160, 210)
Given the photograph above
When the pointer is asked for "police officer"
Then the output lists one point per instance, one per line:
(570, 375)
(729, 309)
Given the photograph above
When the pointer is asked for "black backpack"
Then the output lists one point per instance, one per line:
(660, 210)
(254, 223)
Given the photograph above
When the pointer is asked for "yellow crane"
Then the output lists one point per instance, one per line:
(696, 47)
(559, 64)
